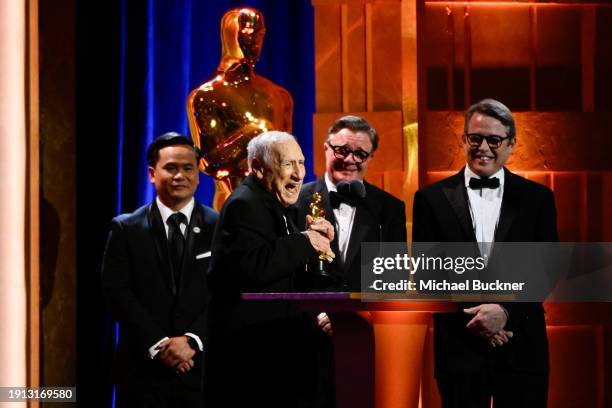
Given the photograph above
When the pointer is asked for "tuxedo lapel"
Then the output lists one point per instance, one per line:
(321, 188)
(455, 192)
(194, 237)
(509, 207)
(161, 246)
(365, 220)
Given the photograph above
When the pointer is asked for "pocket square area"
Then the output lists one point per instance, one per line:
(203, 255)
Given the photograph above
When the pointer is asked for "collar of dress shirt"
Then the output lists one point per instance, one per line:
(330, 185)
(167, 212)
(468, 173)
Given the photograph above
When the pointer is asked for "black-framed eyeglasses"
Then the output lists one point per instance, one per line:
(342, 152)
(494, 141)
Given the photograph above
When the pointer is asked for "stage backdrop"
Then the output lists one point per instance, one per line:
(170, 47)
(136, 63)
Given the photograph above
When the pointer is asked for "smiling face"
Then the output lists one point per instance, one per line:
(347, 169)
(175, 175)
(483, 160)
(284, 173)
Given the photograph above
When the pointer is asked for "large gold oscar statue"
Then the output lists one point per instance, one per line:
(236, 104)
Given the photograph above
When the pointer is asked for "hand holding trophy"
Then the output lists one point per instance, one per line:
(316, 221)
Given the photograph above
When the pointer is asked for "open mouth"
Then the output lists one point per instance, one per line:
(293, 188)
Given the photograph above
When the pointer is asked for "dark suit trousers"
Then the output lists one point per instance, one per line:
(172, 394)
(269, 364)
(509, 389)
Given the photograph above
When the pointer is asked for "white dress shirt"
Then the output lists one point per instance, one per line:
(485, 206)
(345, 215)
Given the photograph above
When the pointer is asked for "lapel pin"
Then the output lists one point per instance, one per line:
(196, 230)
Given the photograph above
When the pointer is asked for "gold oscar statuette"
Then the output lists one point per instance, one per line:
(235, 104)
(318, 211)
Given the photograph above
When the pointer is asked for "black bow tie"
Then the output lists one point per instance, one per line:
(336, 199)
(478, 183)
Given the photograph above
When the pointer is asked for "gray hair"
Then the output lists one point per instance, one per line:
(356, 124)
(494, 109)
(260, 146)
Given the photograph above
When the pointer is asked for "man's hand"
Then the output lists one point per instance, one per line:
(324, 324)
(489, 319)
(500, 338)
(320, 225)
(320, 243)
(184, 367)
(176, 353)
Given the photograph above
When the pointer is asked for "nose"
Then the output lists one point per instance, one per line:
(299, 172)
(349, 159)
(484, 146)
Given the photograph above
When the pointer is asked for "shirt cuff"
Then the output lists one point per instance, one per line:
(153, 350)
(197, 339)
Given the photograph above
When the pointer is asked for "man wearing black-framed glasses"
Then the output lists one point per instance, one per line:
(359, 212)
(494, 351)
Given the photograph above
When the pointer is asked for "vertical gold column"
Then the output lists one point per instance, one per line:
(344, 55)
(410, 104)
(32, 221)
(369, 58)
(13, 139)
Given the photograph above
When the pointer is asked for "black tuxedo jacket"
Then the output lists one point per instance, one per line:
(441, 214)
(380, 217)
(143, 296)
(254, 252)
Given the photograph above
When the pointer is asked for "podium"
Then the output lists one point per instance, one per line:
(378, 345)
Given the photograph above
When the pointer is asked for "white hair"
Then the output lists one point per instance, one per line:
(259, 147)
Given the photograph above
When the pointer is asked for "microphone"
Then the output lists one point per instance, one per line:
(353, 188)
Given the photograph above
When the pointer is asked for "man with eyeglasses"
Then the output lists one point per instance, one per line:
(359, 211)
(495, 351)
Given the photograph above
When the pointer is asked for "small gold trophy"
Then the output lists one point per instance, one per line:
(317, 211)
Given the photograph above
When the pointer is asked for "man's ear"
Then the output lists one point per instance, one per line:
(151, 174)
(257, 168)
(512, 142)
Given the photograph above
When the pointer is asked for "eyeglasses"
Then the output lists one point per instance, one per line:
(494, 141)
(342, 152)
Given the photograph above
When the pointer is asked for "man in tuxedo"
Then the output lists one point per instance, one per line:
(492, 350)
(261, 351)
(154, 279)
(360, 212)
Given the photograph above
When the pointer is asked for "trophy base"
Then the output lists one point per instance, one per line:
(323, 279)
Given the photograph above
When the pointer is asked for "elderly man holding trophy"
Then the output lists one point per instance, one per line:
(258, 352)
(262, 352)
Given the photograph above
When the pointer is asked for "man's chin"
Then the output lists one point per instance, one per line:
(178, 197)
(483, 171)
(287, 202)
(339, 176)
